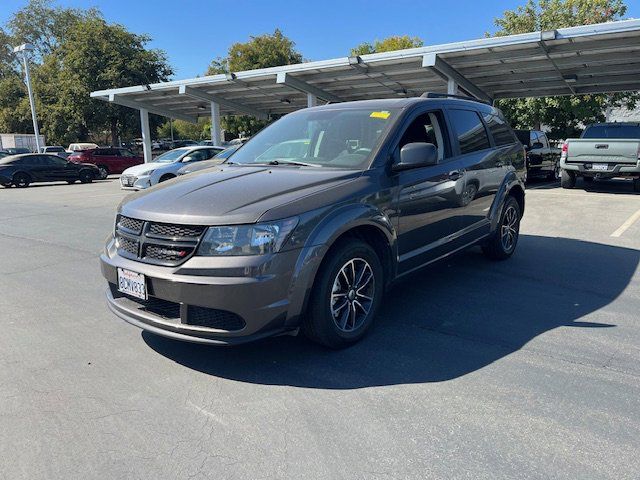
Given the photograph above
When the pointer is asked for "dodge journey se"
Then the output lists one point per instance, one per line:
(306, 225)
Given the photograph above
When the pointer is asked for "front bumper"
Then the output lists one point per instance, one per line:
(5, 179)
(613, 170)
(254, 291)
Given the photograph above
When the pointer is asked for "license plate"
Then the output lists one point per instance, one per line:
(127, 181)
(132, 283)
(600, 166)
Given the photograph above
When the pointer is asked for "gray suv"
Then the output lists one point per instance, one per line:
(308, 224)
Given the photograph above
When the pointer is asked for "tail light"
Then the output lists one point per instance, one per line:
(565, 149)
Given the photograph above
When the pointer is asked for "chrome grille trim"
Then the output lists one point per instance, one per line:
(157, 243)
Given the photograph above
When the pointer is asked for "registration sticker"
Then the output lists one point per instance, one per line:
(132, 283)
(382, 114)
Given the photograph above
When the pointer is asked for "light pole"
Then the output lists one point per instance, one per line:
(22, 50)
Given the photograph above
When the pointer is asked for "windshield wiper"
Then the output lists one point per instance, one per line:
(292, 162)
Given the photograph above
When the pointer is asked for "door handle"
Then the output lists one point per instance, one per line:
(455, 174)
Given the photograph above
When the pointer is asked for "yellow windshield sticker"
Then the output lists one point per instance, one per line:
(383, 114)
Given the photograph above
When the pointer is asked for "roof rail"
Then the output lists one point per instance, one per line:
(449, 95)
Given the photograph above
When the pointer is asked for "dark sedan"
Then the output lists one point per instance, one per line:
(22, 170)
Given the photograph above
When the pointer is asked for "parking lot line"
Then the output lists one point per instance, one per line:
(630, 221)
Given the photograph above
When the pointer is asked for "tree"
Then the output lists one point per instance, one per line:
(389, 44)
(45, 26)
(563, 114)
(186, 130)
(72, 71)
(262, 51)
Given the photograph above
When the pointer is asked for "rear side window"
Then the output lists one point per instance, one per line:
(501, 132)
(472, 136)
(612, 131)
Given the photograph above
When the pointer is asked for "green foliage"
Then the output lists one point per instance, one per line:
(45, 26)
(186, 130)
(262, 51)
(563, 115)
(389, 44)
(77, 52)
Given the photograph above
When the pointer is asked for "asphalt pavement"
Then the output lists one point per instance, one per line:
(528, 368)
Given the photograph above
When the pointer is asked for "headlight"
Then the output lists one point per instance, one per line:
(236, 240)
(147, 173)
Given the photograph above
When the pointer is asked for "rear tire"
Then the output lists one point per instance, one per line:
(21, 180)
(554, 175)
(104, 172)
(86, 176)
(504, 240)
(346, 294)
(567, 179)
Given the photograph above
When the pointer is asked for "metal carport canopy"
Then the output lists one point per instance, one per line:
(586, 59)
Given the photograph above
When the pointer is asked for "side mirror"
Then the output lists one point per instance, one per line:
(416, 155)
(536, 146)
(188, 158)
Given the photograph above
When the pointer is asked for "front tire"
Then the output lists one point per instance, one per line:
(504, 240)
(567, 179)
(346, 295)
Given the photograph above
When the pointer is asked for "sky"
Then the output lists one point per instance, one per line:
(193, 32)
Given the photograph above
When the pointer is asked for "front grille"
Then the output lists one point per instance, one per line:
(128, 245)
(212, 318)
(195, 316)
(166, 253)
(157, 306)
(157, 243)
(127, 181)
(132, 224)
(174, 231)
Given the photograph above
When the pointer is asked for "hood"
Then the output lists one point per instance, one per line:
(230, 194)
(144, 167)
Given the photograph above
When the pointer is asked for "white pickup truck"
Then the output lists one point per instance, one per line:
(605, 150)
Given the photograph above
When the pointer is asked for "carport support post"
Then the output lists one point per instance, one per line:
(146, 135)
(216, 131)
(452, 87)
(312, 100)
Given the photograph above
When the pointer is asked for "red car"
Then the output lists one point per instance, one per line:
(108, 160)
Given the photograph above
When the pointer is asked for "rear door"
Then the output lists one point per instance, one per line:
(429, 197)
(481, 167)
(59, 169)
(105, 157)
(128, 159)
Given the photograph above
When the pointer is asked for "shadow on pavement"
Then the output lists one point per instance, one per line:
(441, 323)
(613, 186)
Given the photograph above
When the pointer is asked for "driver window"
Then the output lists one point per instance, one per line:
(426, 129)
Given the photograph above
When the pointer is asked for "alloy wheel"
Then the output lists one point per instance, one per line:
(352, 294)
(509, 229)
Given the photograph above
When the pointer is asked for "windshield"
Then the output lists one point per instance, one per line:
(338, 138)
(171, 155)
(612, 131)
(227, 153)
